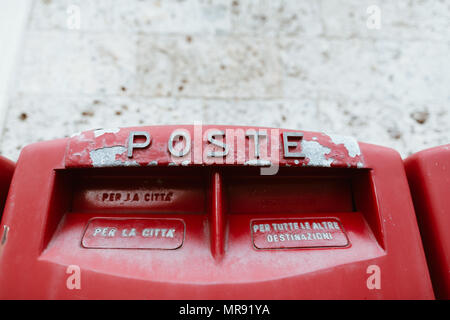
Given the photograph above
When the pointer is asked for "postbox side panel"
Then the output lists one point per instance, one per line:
(398, 224)
(429, 179)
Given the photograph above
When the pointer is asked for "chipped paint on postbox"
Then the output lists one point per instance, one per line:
(143, 233)
(210, 145)
(298, 233)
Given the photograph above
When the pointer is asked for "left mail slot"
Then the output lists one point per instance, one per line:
(116, 233)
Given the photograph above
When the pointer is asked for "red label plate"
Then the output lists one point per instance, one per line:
(298, 233)
(145, 233)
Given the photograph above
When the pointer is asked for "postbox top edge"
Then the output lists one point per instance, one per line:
(117, 147)
(429, 152)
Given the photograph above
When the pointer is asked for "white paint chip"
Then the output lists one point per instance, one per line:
(99, 132)
(258, 162)
(349, 143)
(106, 157)
(315, 152)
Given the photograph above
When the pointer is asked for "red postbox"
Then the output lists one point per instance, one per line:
(428, 174)
(211, 212)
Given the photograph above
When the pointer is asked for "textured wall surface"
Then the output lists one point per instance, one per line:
(311, 65)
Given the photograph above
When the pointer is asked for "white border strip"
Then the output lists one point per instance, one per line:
(13, 20)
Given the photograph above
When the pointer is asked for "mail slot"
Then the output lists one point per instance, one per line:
(429, 179)
(211, 212)
(6, 173)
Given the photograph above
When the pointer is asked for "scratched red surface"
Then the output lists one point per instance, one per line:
(78, 152)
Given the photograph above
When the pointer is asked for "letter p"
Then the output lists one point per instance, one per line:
(132, 145)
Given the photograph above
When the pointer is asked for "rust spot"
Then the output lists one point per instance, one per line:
(420, 116)
(394, 133)
(23, 116)
(87, 113)
(326, 55)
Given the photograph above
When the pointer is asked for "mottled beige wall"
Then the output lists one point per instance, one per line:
(312, 65)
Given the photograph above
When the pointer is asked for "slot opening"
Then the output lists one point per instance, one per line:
(175, 191)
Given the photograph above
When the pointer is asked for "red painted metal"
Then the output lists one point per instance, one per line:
(82, 148)
(429, 179)
(217, 225)
(60, 186)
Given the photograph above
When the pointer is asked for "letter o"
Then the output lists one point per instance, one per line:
(186, 136)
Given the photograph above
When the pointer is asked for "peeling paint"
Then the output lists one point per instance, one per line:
(73, 135)
(349, 143)
(80, 154)
(315, 152)
(106, 157)
(107, 148)
(258, 162)
(99, 132)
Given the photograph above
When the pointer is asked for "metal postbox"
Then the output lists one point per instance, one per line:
(428, 174)
(211, 212)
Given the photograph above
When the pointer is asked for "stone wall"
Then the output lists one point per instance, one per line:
(324, 65)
